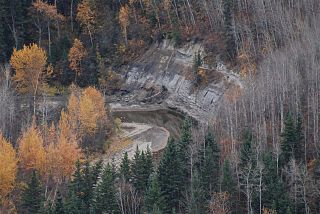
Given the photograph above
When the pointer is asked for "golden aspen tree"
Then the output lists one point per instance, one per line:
(8, 168)
(86, 17)
(88, 117)
(76, 55)
(30, 68)
(124, 21)
(62, 157)
(32, 154)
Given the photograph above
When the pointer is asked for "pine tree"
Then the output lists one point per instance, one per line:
(228, 184)
(182, 150)
(105, 196)
(299, 145)
(59, 206)
(125, 167)
(275, 195)
(197, 200)
(137, 170)
(228, 7)
(170, 178)
(33, 199)
(210, 166)
(288, 140)
(152, 196)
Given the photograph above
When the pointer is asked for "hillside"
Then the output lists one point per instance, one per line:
(159, 106)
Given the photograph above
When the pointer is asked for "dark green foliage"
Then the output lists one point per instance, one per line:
(125, 167)
(274, 195)
(230, 44)
(81, 188)
(59, 206)
(33, 198)
(228, 183)
(210, 166)
(246, 152)
(292, 140)
(197, 195)
(170, 179)
(141, 169)
(105, 196)
(152, 196)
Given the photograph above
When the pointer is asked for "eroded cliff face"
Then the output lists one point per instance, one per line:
(164, 75)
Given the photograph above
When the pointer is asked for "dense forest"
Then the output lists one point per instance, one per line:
(259, 154)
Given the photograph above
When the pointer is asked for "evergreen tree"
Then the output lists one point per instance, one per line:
(228, 184)
(33, 199)
(299, 145)
(59, 207)
(170, 178)
(105, 196)
(289, 140)
(137, 170)
(275, 195)
(182, 150)
(228, 7)
(197, 200)
(152, 196)
(210, 166)
(125, 167)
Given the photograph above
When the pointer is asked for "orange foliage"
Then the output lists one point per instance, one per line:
(86, 16)
(30, 68)
(32, 154)
(268, 211)
(62, 157)
(8, 168)
(50, 11)
(76, 54)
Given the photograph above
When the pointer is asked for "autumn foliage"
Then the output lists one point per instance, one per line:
(76, 55)
(32, 153)
(30, 68)
(8, 168)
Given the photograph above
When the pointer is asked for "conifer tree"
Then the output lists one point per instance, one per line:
(228, 183)
(105, 196)
(152, 196)
(59, 206)
(210, 166)
(170, 179)
(196, 201)
(125, 167)
(275, 195)
(137, 170)
(289, 140)
(33, 199)
(299, 146)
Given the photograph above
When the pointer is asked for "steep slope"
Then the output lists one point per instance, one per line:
(164, 74)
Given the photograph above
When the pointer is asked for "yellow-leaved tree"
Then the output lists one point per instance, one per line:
(76, 55)
(31, 70)
(8, 168)
(62, 156)
(32, 153)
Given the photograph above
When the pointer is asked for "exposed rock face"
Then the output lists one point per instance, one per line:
(168, 69)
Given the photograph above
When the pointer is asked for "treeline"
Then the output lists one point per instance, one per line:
(115, 32)
(192, 176)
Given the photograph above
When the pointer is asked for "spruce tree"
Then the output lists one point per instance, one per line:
(152, 196)
(230, 44)
(170, 178)
(137, 170)
(59, 206)
(289, 140)
(228, 184)
(125, 167)
(210, 166)
(299, 145)
(33, 198)
(197, 198)
(275, 195)
(105, 195)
